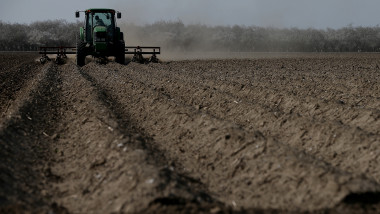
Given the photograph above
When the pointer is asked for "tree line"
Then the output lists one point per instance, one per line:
(177, 36)
(29, 37)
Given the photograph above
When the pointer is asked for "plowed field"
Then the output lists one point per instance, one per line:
(286, 134)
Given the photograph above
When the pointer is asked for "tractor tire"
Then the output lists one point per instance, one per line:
(120, 53)
(81, 53)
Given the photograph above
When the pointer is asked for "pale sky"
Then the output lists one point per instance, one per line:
(319, 14)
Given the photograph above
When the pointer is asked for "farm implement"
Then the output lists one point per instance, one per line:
(100, 38)
(61, 53)
(139, 51)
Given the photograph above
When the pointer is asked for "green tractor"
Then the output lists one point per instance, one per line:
(100, 37)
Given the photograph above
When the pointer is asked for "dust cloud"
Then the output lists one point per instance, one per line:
(192, 31)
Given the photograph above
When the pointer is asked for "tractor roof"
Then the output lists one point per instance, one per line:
(101, 10)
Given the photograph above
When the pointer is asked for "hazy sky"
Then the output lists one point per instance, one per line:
(275, 13)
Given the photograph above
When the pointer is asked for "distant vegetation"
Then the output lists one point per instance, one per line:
(179, 37)
(23, 37)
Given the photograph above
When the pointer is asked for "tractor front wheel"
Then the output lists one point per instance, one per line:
(120, 53)
(81, 53)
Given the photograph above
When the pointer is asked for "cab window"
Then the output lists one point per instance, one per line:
(100, 19)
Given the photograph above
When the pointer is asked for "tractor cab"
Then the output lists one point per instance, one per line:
(100, 25)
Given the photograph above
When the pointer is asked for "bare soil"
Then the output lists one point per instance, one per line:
(285, 134)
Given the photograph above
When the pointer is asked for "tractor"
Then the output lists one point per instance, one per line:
(100, 37)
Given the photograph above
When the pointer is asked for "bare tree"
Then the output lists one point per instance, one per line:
(196, 37)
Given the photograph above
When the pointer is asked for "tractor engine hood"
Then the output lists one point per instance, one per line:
(100, 38)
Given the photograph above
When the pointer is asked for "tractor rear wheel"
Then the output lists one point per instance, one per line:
(120, 53)
(81, 53)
